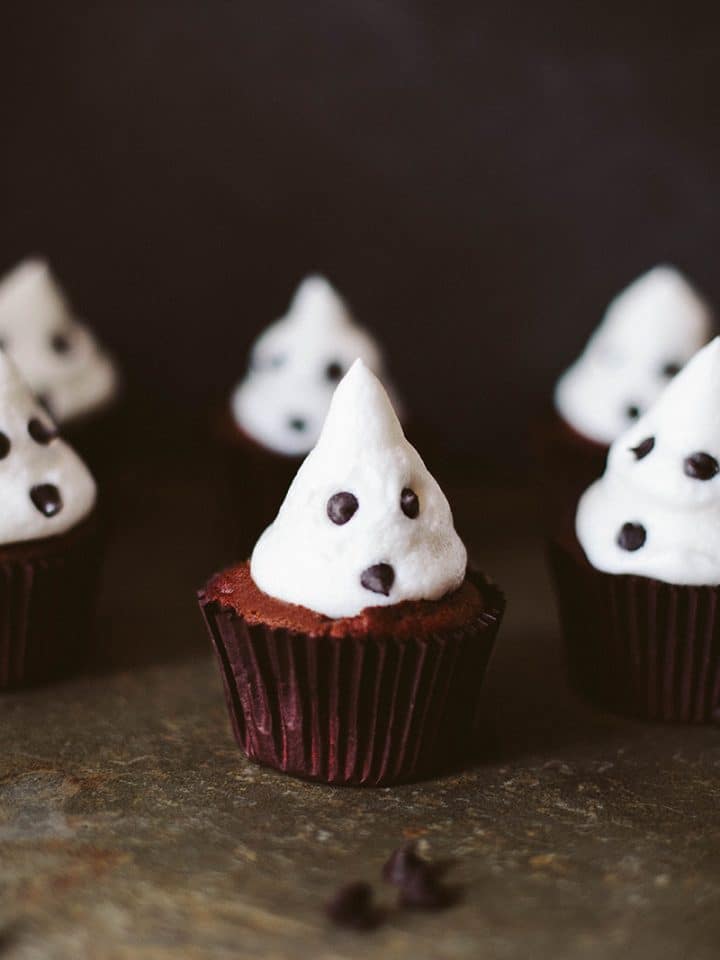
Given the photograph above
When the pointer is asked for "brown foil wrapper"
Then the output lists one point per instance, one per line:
(47, 599)
(369, 710)
(639, 646)
(566, 464)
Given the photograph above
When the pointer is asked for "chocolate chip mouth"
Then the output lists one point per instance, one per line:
(378, 579)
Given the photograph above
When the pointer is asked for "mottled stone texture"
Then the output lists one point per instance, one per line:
(132, 827)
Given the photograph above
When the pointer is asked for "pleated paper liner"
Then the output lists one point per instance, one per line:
(47, 599)
(639, 646)
(366, 711)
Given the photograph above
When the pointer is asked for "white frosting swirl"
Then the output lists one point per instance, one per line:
(295, 366)
(649, 330)
(305, 558)
(57, 354)
(673, 505)
(45, 488)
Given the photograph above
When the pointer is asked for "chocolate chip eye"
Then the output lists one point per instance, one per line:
(409, 503)
(60, 343)
(632, 412)
(297, 423)
(47, 499)
(41, 433)
(701, 466)
(342, 507)
(671, 370)
(333, 371)
(632, 536)
(4, 445)
(643, 448)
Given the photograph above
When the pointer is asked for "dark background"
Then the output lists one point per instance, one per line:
(478, 179)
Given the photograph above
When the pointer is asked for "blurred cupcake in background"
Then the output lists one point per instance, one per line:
(49, 544)
(647, 335)
(277, 411)
(58, 356)
(638, 579)
(354, 643)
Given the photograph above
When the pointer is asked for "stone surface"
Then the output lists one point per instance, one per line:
(131, 826)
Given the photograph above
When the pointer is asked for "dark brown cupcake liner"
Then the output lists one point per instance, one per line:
(47, 600)
(566, 464)
(639, 646)
(369, 710)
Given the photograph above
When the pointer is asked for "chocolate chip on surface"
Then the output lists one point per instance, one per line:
(352, 906)
(701, 466)
(643, 448)
(379, 578)
(632, 536)
(424, 891)
(409, 503)
(47, 499)
(419, 880)
(401, 863)
(341, 507)
(40, 432)
(4, 445)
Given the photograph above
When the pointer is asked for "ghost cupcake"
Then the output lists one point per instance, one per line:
(647, 335)
(639, 583)
(277, 411)
(57, 355)
(48, 543)
(353, 644)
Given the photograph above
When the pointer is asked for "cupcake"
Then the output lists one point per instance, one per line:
(353, 644)
(277, 411)
(48, 545)
(647, 335)
(639, 579)
(57, 355)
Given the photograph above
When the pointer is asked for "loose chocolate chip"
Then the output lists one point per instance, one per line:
(401, 864)
(47, 499)
(701, 466)
(423, 891)
(632, 412)
(671, 370)
(379, 578)
(352, 906)
(60, 343)
(409, 503)
(643, 448)
(297, 423)
(632, 536)
(4, 445)
(341, 507)
(334, 371)
(40, 432)
(419, 880)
